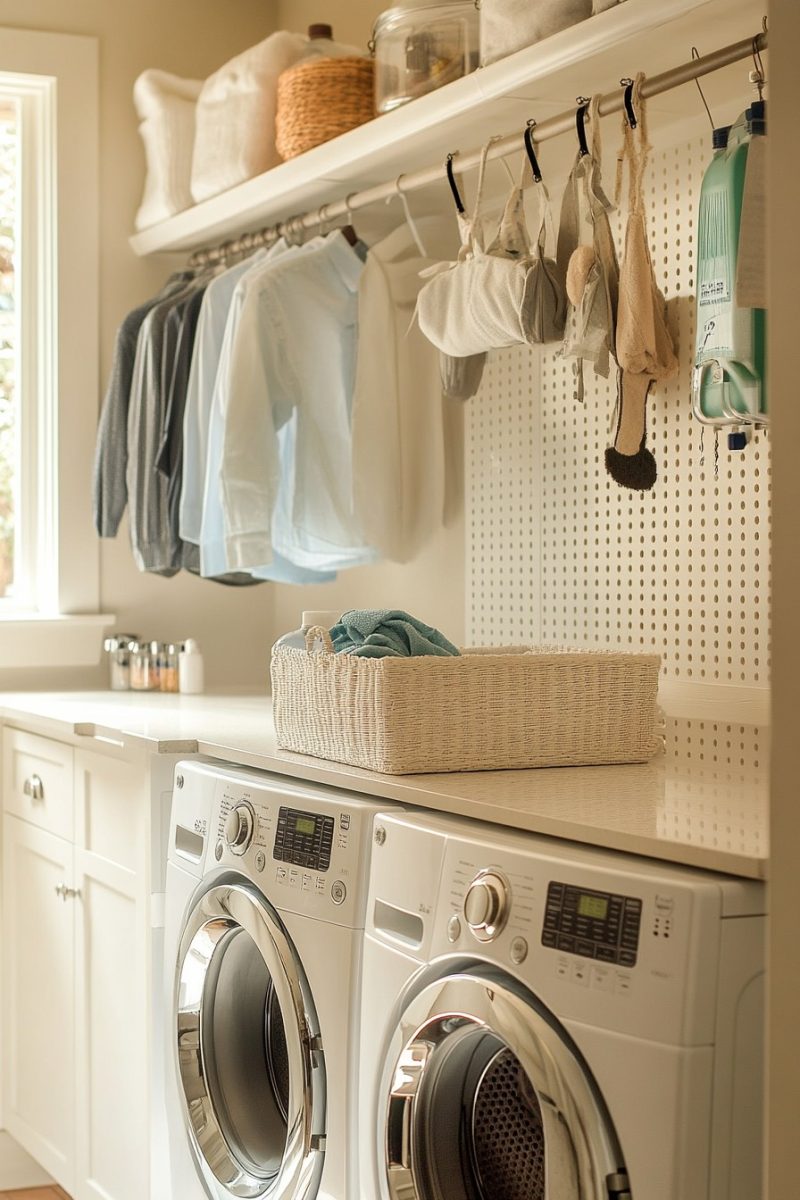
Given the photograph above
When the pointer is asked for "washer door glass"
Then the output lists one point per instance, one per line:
(249, 1054)
(489, 1099)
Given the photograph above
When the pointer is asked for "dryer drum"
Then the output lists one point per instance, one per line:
(481, 1129)
(507, 1134)
(490, 1099)
(276, 1051)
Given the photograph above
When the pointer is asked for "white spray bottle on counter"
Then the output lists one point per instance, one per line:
(190, 669)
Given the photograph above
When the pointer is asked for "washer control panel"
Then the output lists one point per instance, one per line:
(595, 924)
(304, 839)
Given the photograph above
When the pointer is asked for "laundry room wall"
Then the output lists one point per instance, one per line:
(190, 38)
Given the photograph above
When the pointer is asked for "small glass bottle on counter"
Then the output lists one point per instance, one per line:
(118, 649)
(168, 676)
(141, 670)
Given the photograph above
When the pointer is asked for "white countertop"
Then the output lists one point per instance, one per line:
(703, 802)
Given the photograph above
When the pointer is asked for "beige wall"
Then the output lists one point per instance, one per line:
(784, 951)
(192, 38)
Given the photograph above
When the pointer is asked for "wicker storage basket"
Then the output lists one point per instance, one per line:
(490, 709)
(320, 99)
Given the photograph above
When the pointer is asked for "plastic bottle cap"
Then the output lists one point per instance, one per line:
(756, 116)
(320, 31)
(719, 138)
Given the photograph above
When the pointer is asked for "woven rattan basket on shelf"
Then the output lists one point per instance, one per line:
(320, 99)
(489, 709)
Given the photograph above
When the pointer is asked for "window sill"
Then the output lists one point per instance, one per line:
(28, 640)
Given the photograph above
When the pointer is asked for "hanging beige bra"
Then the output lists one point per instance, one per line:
(644, 343)
(645, 350)
(588, 258)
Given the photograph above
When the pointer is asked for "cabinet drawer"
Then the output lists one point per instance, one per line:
(38, 781)
(110, 808)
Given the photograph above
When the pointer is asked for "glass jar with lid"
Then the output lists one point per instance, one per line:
(118, 649)
(419, 47)
(141, 667)
(157, 653)
(168, 675)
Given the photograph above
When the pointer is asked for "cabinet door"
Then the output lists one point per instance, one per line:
(39, 1002)
(112, 981)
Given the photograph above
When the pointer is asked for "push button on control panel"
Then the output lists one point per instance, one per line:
(518, 950)
(338, 892)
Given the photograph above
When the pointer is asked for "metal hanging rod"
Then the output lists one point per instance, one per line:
(552, 127)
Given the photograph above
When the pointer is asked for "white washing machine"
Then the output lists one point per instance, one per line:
(545, 1020)
(266, 888)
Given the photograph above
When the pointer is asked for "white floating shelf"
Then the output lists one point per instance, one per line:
(540, 81)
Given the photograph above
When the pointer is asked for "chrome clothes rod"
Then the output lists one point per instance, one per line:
(552, 127)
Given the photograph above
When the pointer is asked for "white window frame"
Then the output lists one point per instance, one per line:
(58, 622)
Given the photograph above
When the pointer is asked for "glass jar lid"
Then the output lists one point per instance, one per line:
(120, 641)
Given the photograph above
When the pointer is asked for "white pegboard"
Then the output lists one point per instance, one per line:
(558, 553)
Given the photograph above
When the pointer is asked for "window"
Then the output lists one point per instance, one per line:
(49, 558)
(9, 337)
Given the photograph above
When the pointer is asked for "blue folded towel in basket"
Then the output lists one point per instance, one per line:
(389, 633)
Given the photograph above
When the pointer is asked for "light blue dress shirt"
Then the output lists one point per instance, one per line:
(286, 467)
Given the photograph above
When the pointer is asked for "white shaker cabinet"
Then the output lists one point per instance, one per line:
(82, 883)
(111, 979)
(39, 995)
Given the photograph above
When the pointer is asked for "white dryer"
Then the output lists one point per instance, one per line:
(545, 1020)
(266, 887)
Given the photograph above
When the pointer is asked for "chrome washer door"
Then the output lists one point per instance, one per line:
(489, 1099)
(249, 1055)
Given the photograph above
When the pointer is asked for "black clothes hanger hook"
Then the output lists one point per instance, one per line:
(580, 123)
(630, 111)
(531, 152)
(451, 179)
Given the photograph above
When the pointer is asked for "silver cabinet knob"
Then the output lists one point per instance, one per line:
(66, 893)
(486, 904)
(34, 787)
(239, 828)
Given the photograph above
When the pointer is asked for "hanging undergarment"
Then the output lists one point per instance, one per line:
(588, 258)
(645, 350)
(475, 303)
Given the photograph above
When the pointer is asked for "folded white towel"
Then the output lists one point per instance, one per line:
(235, 134)
(165, 105)
(508, 25)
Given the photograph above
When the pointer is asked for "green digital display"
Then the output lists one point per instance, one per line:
(304, 824)
(593, 906)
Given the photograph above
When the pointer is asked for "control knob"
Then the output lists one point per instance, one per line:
(486, 904)
(239, 828)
